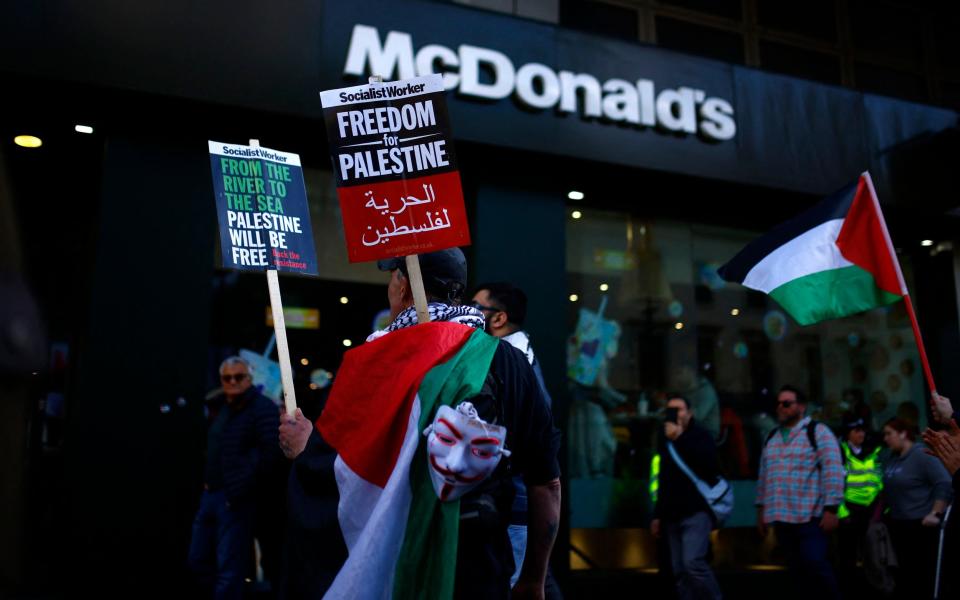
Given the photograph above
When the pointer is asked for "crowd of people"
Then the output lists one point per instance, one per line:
(886, 495)
(508, 521)
(887, 498)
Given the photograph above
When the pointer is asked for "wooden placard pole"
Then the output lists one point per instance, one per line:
(413, 261)
(416, 286)
(280, 330)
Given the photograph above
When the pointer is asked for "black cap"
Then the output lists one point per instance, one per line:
(851, 422)
(444, 272)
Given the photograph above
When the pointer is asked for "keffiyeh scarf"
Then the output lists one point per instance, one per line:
(465, 315)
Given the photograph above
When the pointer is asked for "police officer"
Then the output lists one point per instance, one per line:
(863, 483)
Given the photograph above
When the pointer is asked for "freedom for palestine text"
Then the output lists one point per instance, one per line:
(393, 128)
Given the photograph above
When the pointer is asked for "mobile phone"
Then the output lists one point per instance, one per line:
(671, 414)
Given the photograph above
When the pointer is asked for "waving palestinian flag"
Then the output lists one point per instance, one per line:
(402, 539)
(832, 261)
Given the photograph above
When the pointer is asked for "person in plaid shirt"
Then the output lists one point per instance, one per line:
(799, 489)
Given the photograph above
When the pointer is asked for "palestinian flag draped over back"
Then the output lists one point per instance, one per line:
(832, 261)
(402, 539)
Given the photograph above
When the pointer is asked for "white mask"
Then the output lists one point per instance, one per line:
(462, 450)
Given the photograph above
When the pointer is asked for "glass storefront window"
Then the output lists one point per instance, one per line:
(648, 315)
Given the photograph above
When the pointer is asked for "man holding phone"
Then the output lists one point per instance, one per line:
(681, 512)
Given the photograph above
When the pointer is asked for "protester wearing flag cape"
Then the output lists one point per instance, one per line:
(404, 410)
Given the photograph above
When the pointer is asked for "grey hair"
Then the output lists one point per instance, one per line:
(234, 360)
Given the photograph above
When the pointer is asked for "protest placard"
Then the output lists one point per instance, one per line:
(395, 168)
(262, 209)
(264, 226)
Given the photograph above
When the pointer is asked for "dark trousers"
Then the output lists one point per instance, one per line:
(805, 548)
(852, 536)
(221, 548)
(484, 560)
(689, 541)
(916, 550)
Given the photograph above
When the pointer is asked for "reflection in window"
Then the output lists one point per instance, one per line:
(652, 316)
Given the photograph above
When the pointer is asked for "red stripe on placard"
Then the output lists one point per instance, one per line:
(398, 218)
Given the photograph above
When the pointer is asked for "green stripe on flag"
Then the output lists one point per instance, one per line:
(428, 557)
(831, 294)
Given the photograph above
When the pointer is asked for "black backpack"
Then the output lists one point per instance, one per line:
(811, 436)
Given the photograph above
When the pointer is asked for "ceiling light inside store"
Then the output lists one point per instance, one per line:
(304, 362)
(575, 195)
(28, 141)
(604, 287)
(347, 343)
(574, 297)
(735, 311)
(83, 129)
(576, 214)
(926, 243)
(678, 325)
(344, 299)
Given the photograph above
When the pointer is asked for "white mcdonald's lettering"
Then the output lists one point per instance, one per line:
(684, 109)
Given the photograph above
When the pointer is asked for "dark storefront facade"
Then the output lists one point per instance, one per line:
(608, 178)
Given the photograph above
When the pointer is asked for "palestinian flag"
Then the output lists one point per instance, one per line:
(832, 261)
(402, 539)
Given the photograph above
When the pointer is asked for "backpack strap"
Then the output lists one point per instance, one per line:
(811, 436)
(812, 433)
(770, 435)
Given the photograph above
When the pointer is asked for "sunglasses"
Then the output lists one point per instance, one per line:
(238, 377)
(479, 306)
(786, 403)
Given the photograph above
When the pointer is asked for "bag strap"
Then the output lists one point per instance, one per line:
(679, 462)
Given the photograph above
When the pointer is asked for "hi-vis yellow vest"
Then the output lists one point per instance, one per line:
(864, 479)
(654, 478)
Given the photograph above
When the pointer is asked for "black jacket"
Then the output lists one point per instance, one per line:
(314, 546)
(249, 445)
(678, 498)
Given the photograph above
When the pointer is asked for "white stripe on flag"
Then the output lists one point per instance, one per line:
(812, 251)
(373, 523)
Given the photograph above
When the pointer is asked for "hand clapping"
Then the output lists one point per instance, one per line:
(945, 445)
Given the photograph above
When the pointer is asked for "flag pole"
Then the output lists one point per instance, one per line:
(923, 353)
(908, 303)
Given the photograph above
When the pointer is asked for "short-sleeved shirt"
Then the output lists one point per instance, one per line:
(520, 406)
(484, 553)
(796, 482)
(527, 417)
